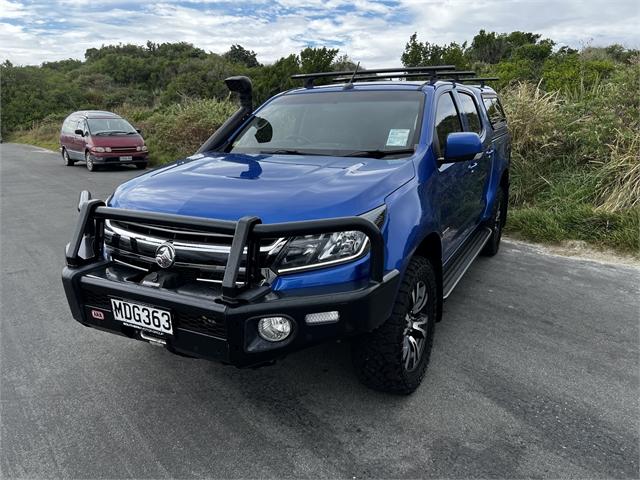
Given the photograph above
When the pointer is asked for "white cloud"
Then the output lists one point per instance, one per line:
(371, 31)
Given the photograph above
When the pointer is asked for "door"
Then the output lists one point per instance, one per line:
(79, 141)
(478, 170)
(454, 215)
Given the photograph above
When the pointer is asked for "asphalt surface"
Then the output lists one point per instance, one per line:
(534, 373)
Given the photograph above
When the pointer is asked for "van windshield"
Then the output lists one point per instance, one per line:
(352, 123)
(110, 126)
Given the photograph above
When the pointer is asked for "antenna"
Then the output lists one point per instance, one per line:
(350, 82)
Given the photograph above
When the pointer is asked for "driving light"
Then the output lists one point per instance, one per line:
(274, 329)
(322, 318)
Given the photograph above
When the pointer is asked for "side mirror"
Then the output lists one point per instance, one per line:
(79, 132)
(139, 131)
(462, 146)
(84, 197)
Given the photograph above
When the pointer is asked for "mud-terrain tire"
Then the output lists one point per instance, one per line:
(385, 359)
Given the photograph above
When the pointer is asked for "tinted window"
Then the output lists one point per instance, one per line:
(447, 120)
(334, 123)
(470, 109)
(494, 110)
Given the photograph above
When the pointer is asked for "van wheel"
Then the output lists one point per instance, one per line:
(66, 158)
(90, 165)
(496, 223)
(394, 357)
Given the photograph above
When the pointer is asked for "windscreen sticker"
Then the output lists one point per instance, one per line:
(398, 137)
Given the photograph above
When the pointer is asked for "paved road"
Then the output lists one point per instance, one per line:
(534, 373)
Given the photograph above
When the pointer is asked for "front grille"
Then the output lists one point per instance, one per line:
(199, 323)
(198, 255)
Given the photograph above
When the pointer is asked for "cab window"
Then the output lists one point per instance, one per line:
(470, 109)
(494, 110)
(447, 121)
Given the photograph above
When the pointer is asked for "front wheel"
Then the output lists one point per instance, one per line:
(89, 161)
(394, 357)
(141, 166)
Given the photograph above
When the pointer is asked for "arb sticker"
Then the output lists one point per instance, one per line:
(398, 137)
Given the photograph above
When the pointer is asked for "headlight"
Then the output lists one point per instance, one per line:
(313, 251)
(144, 148)
(107, 149)
(98, 149)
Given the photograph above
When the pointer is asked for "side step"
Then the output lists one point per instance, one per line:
(456, 267)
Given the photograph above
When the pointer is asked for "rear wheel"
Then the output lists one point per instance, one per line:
(66, 159)
(394, 357)
(496, 223)
(89, 161)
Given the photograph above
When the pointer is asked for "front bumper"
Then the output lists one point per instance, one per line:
(219, 322)
(205, 327)
(108, 157)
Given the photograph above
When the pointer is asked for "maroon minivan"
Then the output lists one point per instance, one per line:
(101, 138)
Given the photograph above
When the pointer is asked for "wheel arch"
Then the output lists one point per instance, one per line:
(431, 248)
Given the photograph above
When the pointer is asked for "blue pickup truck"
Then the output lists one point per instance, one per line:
(347, 208)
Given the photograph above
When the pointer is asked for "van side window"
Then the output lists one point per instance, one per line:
(67, 126)
(447, 121)
(494, 110)
(470, 109)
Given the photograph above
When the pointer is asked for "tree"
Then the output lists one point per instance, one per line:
(239, 54)
(317, 59)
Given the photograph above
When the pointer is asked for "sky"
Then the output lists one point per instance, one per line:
(372, 32)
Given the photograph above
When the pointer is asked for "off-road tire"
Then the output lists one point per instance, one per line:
(66, 159)
(496, 223)
(378, 357)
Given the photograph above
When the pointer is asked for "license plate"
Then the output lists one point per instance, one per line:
(142, 316)
(126, 159)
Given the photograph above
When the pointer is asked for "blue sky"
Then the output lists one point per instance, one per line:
(373, 32)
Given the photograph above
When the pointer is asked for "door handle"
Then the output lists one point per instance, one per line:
(473, 166)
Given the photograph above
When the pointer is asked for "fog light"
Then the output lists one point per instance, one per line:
(274, 329)
(322, 317)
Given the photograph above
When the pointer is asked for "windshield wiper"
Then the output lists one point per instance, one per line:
(285, 151)
(379, 153)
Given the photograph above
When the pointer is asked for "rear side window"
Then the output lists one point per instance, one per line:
(494, 110)
(69, 125)
(447, 120)
(470, 109)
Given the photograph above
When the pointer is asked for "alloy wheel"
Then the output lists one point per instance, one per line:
(415, 333)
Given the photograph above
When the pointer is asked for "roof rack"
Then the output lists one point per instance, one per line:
(433, 73)
(310, 77)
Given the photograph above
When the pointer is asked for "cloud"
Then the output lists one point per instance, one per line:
(371, 31)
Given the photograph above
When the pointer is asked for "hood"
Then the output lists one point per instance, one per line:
(276, 188)
(117, 140)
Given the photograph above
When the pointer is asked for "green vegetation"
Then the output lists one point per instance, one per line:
(574, 115)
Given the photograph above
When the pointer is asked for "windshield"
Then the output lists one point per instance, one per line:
(352, 123)
(110, 126)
